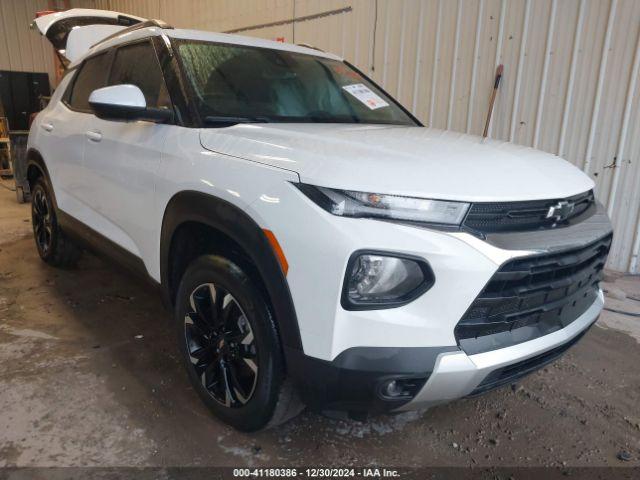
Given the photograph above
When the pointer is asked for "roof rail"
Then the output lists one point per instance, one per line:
(133, 28)
(306, 45)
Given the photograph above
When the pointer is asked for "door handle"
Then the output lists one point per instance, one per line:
(94, 135)
(47, 126)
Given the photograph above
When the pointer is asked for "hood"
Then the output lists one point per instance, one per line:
(73, 32)
(412, 161)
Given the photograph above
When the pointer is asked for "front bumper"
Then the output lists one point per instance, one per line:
(352, 381)
(457, 374)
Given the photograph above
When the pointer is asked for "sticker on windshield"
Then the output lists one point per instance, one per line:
(366, 96)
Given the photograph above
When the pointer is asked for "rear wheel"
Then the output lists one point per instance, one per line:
(230, 346)
(52, 244)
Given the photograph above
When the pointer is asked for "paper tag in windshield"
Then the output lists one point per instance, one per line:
(366, 96)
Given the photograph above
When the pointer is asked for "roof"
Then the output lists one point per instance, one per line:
(201, 35)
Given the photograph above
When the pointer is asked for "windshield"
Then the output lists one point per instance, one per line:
(264, 85)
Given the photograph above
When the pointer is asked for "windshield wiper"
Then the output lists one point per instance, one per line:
(230, 120)
(330, 119)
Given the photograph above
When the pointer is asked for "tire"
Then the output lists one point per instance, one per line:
(52, 244)
(230, 346)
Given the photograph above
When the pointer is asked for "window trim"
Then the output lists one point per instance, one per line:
(185, 114)
(64, 98)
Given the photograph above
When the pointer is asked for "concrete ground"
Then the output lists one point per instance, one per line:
(89, 376)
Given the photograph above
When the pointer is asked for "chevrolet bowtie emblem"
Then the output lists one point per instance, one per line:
(561, 210)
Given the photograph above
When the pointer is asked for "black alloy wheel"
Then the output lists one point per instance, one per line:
(230, 345)
(221, 345)
(42, 221)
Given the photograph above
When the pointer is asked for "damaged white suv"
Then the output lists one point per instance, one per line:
(313, 239)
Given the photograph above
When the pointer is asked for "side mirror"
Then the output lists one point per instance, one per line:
(125, 102)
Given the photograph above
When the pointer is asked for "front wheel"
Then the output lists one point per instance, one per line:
(230, 346)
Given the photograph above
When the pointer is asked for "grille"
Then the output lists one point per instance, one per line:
(514, 372)
(522, 216)
(533, 296)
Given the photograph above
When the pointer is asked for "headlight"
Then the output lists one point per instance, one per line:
(382, 280)
(347, 203)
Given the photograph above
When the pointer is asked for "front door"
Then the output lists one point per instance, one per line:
(122, 158)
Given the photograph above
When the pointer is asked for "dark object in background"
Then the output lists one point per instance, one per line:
(492, 100)
(20, 94)
(19, 159)
(5, 146)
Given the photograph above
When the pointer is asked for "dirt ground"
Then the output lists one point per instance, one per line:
(89, 376)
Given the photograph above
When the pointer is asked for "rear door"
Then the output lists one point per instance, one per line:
(61, 132)
(122, 158)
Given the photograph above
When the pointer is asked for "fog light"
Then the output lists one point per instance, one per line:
(400, 388)
(392, 389)
(380, 281)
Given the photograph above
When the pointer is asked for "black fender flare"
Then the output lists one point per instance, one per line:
(35, 159)
(193, 206)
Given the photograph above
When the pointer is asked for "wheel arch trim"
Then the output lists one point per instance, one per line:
(228, 219)
(35, 159)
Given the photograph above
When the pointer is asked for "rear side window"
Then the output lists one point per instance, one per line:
(137, 65)
(92, 75)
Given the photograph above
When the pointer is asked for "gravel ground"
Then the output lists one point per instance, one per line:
(89, 376)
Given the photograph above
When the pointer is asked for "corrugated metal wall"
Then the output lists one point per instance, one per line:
(21, 49)
(570, 82)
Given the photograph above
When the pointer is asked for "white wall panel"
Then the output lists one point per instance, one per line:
(568, 77)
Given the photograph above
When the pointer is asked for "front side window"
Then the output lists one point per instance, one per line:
(137, 65)
(279, 86)
(92, 75)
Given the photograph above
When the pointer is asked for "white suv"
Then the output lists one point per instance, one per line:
(312, 238)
